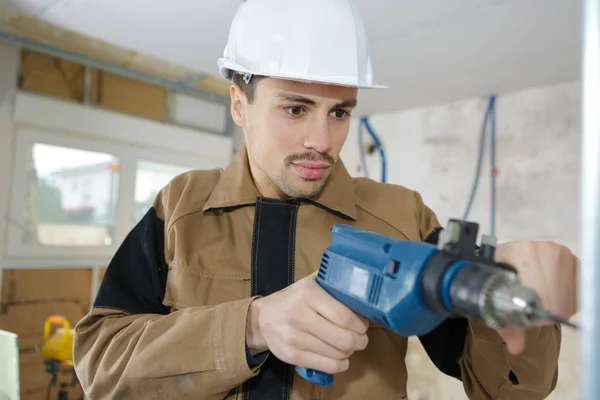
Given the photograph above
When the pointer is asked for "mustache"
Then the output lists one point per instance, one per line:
(310, 157)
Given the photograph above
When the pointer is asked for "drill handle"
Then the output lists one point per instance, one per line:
(316, 377)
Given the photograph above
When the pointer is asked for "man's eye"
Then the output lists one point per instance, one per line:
(294, 110)
(339, 114)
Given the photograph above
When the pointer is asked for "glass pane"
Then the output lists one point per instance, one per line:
(151, 177)
(72, 197)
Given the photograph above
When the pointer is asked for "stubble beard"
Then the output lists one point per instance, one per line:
(288, 187)
(296, 191)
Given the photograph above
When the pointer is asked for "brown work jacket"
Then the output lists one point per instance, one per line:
(169, 319)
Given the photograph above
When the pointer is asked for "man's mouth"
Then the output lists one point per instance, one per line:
(311, 170)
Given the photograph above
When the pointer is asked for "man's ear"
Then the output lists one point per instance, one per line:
(238, 105)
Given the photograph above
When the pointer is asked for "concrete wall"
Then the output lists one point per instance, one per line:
(434, 150)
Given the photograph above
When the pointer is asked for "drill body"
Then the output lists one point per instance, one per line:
(379, 279)
(412, 287)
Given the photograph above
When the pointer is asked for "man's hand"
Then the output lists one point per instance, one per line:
(550, 270)
(303, 325)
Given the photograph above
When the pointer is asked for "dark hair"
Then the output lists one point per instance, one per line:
(247, 88)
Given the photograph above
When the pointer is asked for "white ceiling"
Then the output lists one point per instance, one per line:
(426, 51)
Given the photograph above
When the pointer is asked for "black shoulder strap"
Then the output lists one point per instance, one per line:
(273, 246)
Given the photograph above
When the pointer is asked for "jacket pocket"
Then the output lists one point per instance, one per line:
(190, 287)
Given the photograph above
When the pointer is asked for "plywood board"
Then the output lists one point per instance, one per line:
(118, 93)
(52, 76)
(39, 285)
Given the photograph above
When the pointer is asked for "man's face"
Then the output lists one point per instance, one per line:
(294, 133)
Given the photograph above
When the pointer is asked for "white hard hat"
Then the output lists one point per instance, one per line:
(320, 41)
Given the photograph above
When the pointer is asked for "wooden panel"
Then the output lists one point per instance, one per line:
(38, 285)
(101, 276)
(51, 76)
(126, 95)
(28, 298)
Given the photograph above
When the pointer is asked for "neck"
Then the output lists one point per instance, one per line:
(264, 185)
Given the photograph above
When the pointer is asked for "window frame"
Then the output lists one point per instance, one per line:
(129, 152)
(128, 158)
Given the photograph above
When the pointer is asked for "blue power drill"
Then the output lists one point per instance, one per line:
(412, 287)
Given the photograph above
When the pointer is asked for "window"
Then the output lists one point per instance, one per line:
(80, 184)
(58, 215)
(151, 177)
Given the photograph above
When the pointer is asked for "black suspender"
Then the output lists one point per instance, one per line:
(273, 246)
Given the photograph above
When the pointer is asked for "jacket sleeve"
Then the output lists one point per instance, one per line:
(476, 355)
(131, 346)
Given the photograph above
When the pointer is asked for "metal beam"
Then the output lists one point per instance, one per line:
(589, 276)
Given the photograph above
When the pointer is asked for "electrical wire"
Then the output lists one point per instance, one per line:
(493, 169)
(361, 150)
(365, 121)
(490, 115)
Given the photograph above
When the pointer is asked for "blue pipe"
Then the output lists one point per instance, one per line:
(365, 121)
(493, 168)
(488, 113)
(361, 150)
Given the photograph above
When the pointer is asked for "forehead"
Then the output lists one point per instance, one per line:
(269, 87)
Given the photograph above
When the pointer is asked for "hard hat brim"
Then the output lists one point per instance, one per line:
(227, 68)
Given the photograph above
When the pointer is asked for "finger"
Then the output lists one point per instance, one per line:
(514, 339)
(312, 344)
(342, 339)
(307, 359)
(334, 311)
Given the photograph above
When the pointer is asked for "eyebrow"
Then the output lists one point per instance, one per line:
(295, 98)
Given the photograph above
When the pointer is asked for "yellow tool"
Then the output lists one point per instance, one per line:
(57, 352)
(59, 345)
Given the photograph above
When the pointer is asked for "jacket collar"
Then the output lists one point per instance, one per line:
(236, 188)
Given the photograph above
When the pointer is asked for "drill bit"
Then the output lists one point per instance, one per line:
(542, 314)
(510, 304)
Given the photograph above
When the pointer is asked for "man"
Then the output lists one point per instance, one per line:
(212, 295)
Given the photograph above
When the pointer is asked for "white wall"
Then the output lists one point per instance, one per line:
(434, 150)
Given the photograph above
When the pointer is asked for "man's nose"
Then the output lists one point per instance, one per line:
(319, 137)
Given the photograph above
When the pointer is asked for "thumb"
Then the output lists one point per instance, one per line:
(514, 339)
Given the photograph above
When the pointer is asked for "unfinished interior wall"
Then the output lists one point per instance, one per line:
(28, 297)
(64, 79)
(434, 150)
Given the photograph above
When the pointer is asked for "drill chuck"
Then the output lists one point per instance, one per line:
(493, 296)
(458, 283)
